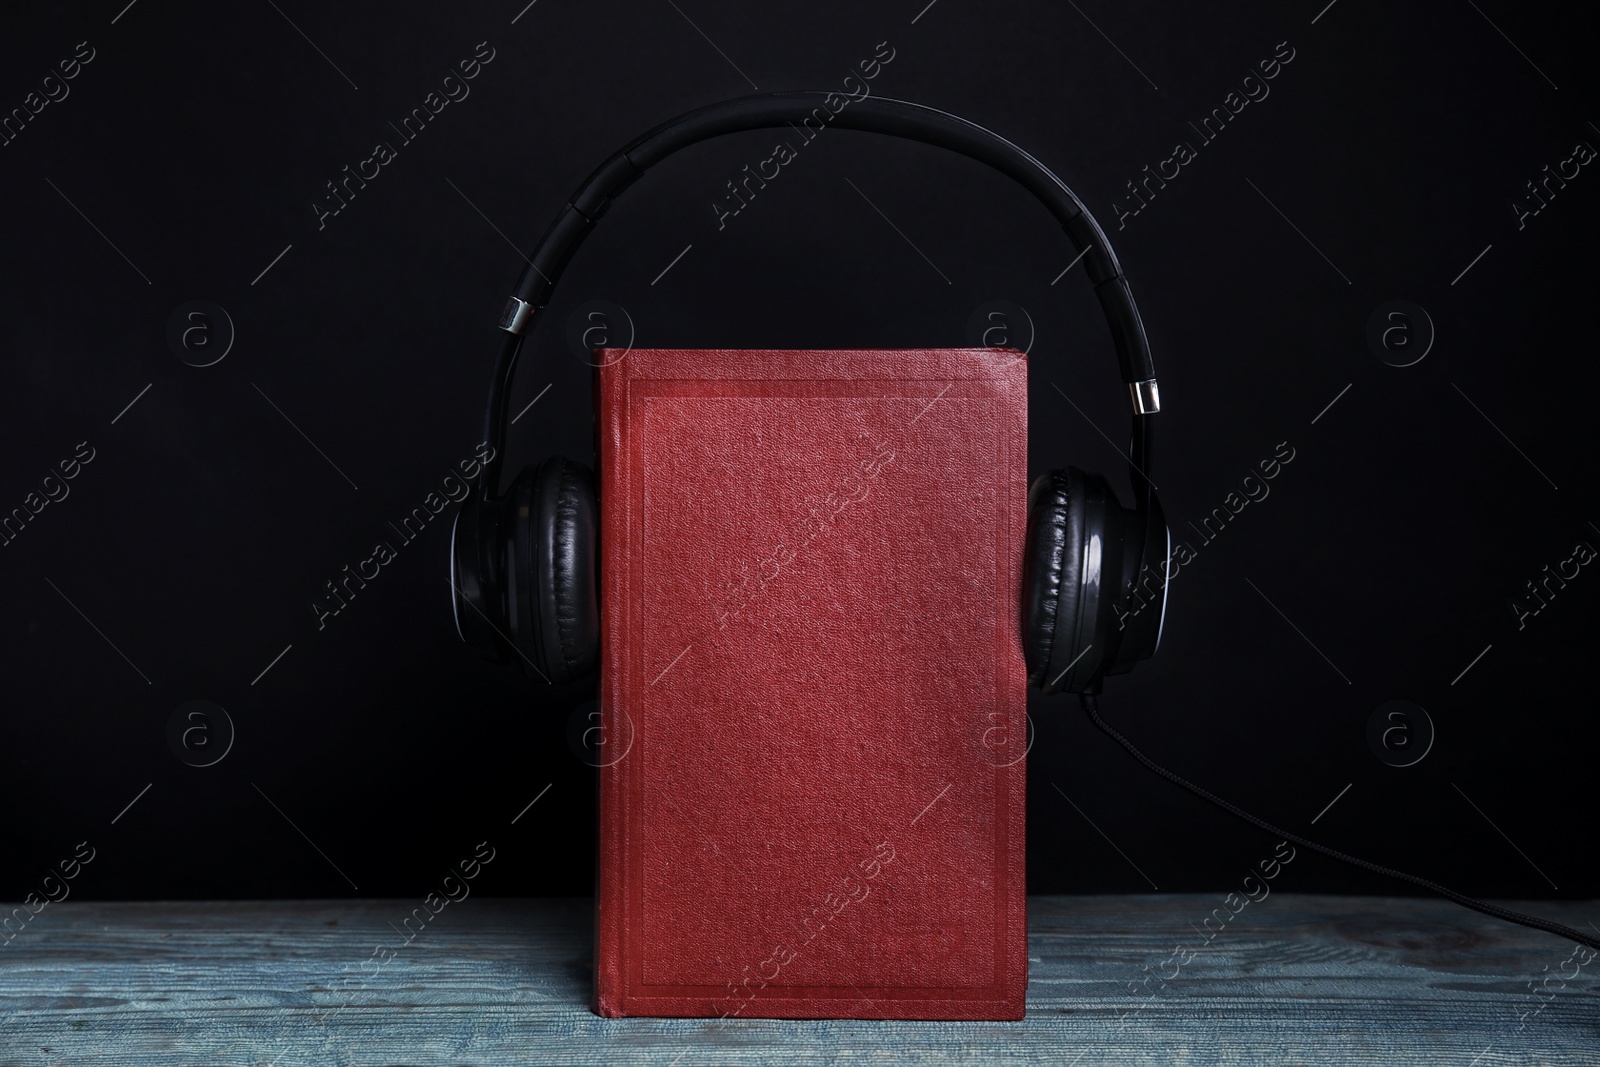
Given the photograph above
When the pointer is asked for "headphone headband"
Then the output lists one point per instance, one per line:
(895, 118)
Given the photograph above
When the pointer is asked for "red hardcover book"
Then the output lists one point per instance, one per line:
(812, 684)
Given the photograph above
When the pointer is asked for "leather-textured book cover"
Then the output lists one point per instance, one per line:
(812, 684)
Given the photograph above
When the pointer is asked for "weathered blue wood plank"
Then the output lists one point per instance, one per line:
(1291, 979)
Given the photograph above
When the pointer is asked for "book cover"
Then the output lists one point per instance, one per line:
(812, 684)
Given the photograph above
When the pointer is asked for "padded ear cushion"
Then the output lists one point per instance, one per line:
(1073, 564)
(564, 528)
(1054, 546)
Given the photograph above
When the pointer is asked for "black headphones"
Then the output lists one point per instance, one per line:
(523, 564)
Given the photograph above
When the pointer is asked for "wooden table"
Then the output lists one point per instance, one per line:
(1291, 979)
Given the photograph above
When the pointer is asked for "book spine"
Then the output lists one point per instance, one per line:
(610, 400)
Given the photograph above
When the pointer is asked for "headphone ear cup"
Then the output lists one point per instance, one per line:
(574, 572)
(561, 539)
(1054, 546)
(1142, 599)
(1072, 566)
(474, 576)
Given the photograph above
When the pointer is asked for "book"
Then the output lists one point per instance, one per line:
(812, 690)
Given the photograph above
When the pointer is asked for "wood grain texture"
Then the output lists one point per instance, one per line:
(1291, 979)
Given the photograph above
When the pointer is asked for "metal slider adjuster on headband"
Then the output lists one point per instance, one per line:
(516, 315)
(1146, 397)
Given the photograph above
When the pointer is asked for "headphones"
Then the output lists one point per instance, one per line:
(523, 564)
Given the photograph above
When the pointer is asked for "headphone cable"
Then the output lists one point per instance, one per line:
(1091, 706)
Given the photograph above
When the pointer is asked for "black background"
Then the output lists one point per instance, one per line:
(198, 138)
